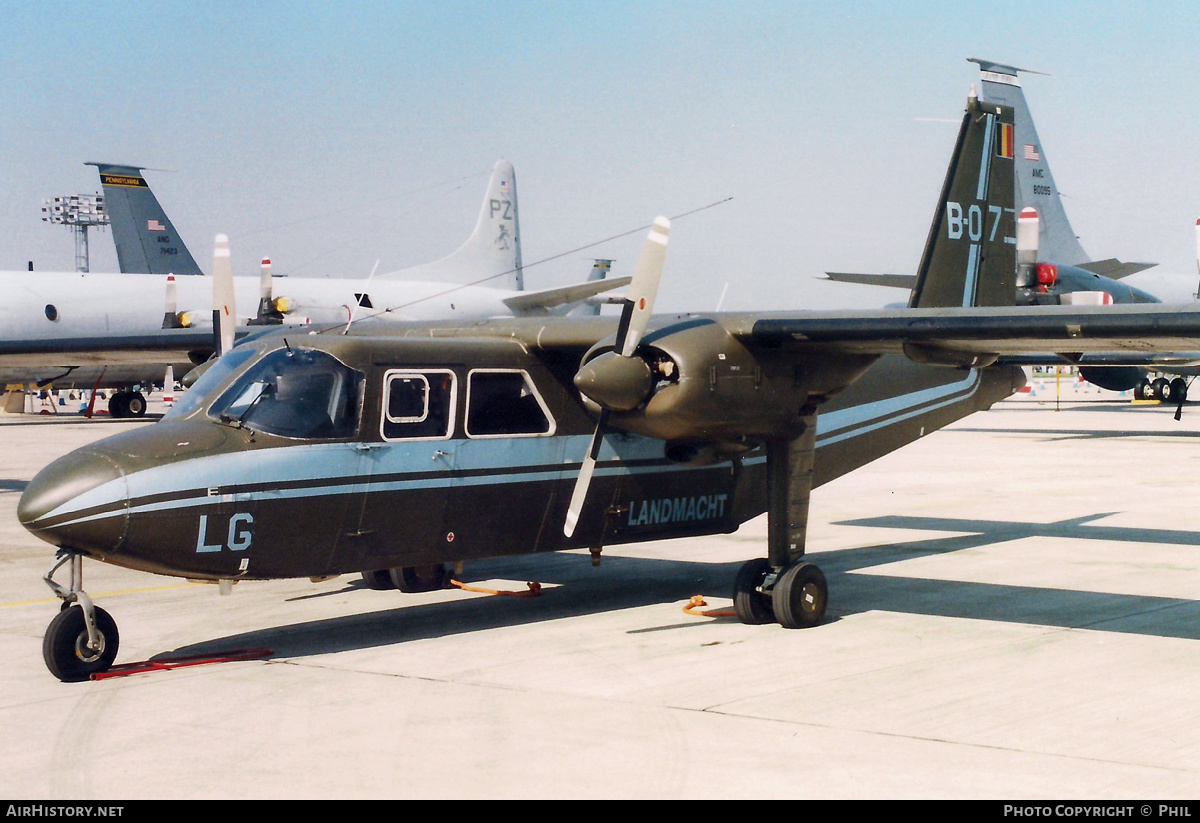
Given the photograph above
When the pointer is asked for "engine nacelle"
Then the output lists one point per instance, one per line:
(707, 388)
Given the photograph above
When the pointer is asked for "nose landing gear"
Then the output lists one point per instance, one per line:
(82, 639)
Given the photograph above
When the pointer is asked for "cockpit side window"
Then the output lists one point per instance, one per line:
(418, 404)
(504, 403)
(295, 392)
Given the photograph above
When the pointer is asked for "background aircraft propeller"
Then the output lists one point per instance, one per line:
(224, 309)
(617, 380)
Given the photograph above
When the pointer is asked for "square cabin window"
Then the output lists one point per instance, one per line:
(418, 404)
(504, 403)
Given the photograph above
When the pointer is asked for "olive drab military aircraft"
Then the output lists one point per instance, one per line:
(396, 451)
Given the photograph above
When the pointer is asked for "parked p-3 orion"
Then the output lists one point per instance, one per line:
(394, 452)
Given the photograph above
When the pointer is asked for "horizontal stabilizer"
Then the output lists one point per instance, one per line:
(1113, 268)
(541, 302)
(898, 281)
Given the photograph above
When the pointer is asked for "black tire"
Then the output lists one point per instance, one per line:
(752, 606)
(135, 404)
(118, 405)
(379, 579)
(415, 579)
(1179, 390)
(1161, 389)
(1142, 390)
(800, 597)
(65, 650)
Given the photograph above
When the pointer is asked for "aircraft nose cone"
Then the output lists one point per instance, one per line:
(78, 501)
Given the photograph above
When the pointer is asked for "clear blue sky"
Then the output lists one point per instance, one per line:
(332, 136)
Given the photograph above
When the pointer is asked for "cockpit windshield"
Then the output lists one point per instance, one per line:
(294, 392)
(216, 374)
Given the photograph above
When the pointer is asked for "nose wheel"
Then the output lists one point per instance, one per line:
(82, 638)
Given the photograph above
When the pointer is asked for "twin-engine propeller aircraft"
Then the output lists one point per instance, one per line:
(397, 451)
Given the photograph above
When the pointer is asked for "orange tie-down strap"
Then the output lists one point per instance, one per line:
(533, 591)
(169, 663)
(698, 600)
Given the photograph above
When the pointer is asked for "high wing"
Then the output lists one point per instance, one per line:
(562, 298)
(980, 332)
(1113, 268)
(895, 281)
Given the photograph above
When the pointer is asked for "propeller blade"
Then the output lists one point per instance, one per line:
(224, 310)
(579, 495)
(1027, 236)
(170, 312)
(264, 283)
(635, 317)
(644, 287)
(1198, 245)
(1027, 248)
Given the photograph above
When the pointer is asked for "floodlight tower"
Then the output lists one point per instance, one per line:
(80, 212)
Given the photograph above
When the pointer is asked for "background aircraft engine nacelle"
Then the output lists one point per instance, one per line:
(1047, 275)
(1119, 378)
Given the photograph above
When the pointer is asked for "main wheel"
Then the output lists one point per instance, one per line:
(379, 579)
(800, 596)
(1178, 390)
(1161, 389)
(752, 606)
(65, 646)
(1142, 391)
(118, 405)
(413, 579)
(135, 404)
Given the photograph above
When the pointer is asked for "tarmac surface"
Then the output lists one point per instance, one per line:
(1014, 613)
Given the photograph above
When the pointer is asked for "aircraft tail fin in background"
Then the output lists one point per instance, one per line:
(970, 254)
(1035, 187)
(146, 240)
(492, 254)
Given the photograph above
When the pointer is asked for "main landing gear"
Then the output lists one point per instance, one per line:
(82, 639)
(1168, 391)
(783, 588)
(409, 579)
(127, 404)
(795, 596)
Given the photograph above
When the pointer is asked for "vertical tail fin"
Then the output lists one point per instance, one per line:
(492, 254)
(970, 254)
(1035, 187)
(147, 242)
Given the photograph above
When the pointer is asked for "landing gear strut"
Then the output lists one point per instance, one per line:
(82, 639)
(783, 588)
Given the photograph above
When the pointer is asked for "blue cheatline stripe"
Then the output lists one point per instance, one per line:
(297, 463)
(972, 276)
(834, 427)
(985, 162)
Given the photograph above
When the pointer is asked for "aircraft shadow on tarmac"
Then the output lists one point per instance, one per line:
(575, 589)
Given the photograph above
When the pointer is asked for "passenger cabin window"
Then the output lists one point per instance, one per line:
(418, 404)
(503, 404)
(295, 392)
